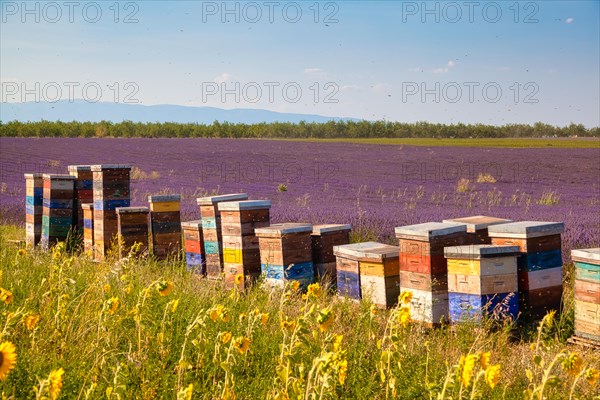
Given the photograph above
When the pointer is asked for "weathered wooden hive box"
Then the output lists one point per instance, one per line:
(111, 188)
(587, 293)
(477, 226)
(482, 281)
(286, 254)
(241, 252)
(84, 191)
(34, 208)
(194, 246)
(88, 228)
(423, 267)
(132, 228)
(539, 263)
(165, 224)
(57, 208)
(211, 231)
(380, 274)
(324, 238)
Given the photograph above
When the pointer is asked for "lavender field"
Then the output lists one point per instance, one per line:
(373, 187)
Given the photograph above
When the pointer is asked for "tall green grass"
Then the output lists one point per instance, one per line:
(155, 345)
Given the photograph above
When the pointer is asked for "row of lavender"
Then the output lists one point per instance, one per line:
(445, 280)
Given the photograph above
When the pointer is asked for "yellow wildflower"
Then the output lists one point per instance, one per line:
(288, 325)
(225, 337)
(6, 296)
(242, 344)
(337, 341)
(404, 316)
(485, 360)
(31, 320)
(468, 369)
(113, 304)
(592, 375)
(572, 364)
(406, 297)
(8, 358)
(242, 317)
(295, 285)
(128, 289)
(165, 288)
(22, 252)
(239, 279)
(492, 375)
(215, 313)
(264, 318)
(342, 371)
(314, 290)
(106, 288)
(56, 381)
(373, 310)
(325, 319)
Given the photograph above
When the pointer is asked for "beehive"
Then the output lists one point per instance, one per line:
(57, 208)
(539, 263)
(211, 231)
(587, 293)
(84, 191)
(482, 280)
(423, 267)
(165, 224)
(194, 246)
(34, 204)
(111, 188)
(88, 228)
(286, 254)
(324, 238)
(132, 228)
(477, 226)
(380, 271)
(241, 253)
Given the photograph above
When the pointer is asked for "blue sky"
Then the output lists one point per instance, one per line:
(472, 62)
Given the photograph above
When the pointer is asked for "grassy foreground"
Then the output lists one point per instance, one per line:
(562, 143)
(143, 329)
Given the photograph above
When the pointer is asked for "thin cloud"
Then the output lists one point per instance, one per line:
(569, 20)
(224, 77)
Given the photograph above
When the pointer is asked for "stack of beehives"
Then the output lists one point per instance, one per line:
(84, 191)
(324, 238)
(165, 224)
(88, 228)
(133, 229)
(34, 204)
(194, 246)
(58, 208)
(587, 294)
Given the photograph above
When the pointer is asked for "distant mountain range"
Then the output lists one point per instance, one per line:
(81, 110)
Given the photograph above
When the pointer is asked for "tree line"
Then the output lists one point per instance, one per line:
(327, 130)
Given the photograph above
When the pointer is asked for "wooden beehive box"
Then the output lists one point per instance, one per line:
(111, 189)
(194, 246)
(88, 228)
(380, 275)
(482, 280)
(422, 245)
(84, 190)
(211, 231)
(286, 254)
(132, 228)
(241, 252)
(57, 208)
(540, 249)
(429, 307)
(324, 237)
(587, 293)
(165, 224)
(34, 204)
(477, 226)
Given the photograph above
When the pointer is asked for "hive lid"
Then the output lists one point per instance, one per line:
(58, 176)
(103, 167)
(77, 168)
(480, 251)
(33, 176)
(526, 229)
(478, 222)
(429, 230)
(326, 228)
(367, 250)
(244, 205)
(282, 229)
(87, 206)
(592, 254)
(131, 210)
(207, 201)
(196, 224)
(164, 198)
